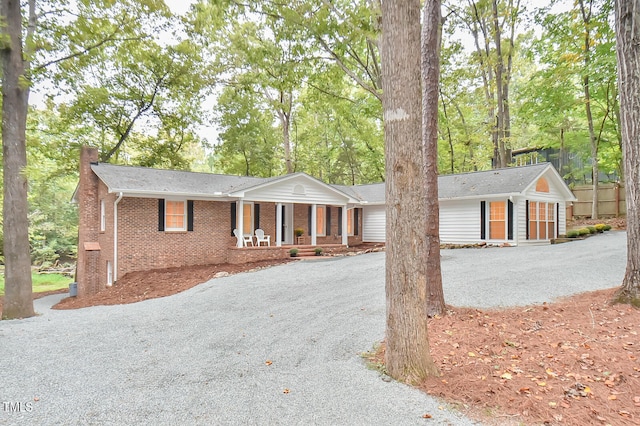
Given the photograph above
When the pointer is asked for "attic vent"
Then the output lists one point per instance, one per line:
(298, 190)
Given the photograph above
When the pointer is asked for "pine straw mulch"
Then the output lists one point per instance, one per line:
(143, 285)
(571, 362)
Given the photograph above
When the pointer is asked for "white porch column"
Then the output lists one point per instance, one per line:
(279, 224)
(240, 222)
(345, 233)
(314, 225)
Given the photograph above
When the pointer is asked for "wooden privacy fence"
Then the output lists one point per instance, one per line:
(611, 201)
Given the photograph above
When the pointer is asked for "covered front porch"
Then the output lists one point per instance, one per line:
(296, 204)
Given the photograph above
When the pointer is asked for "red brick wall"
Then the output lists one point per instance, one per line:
(142, 247)
(252, 254)
(105, 238)
(268, 220)
(88, 224)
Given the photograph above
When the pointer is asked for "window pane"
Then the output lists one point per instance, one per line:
(496, 210)
(533, 230)
(551, 228)
(496, 220)
(496, 230)
(542, 185)
(543, 230)
(533, 210)
(174, 215)
(320, 220)
(543, 211)
(552, 211)
(247, 220)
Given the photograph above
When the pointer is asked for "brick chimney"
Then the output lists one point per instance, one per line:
(88, 268)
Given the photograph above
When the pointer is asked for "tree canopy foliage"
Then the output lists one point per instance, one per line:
(296, 86)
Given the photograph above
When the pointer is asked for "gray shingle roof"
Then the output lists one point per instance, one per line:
(141, 180)
(371, 193)
(157, 181)
(511, 180)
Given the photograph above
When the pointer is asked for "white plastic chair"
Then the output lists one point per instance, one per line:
(246, 239)
(261, 238)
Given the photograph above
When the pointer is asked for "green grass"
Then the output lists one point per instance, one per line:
(43, 282)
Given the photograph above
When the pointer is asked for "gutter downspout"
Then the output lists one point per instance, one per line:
(115, 237)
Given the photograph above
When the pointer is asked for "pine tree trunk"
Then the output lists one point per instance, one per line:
(18, 298)
(430, 70)
(628, 52)
(407, 275)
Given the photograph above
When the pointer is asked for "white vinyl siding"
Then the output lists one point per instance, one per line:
(562, 218)
(460, 222)
(373, 224)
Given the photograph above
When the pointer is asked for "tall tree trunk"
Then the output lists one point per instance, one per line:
(407, 354)
(449, 138)
(430, 71)
(500, 117)
(628, 53)
(283, 107)
(18, 299)
(586, 18)
(286, 140)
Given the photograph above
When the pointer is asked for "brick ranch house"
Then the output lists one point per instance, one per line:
(138, 219)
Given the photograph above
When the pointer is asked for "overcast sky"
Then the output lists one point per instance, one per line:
(179, 6)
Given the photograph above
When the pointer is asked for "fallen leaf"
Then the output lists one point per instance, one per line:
(612, 397)
(286, 391)
(506, 376)
(35, 398)
(471, 354)
(550, 373)
(268, 362)
(552, 404)
(426, 416)
(541, 383)
(524, 390)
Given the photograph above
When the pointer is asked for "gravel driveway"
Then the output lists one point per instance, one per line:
(200, 357)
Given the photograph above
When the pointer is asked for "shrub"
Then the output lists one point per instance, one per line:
(573, 234)
(299, 232)
(607, 227)
(600, 227)
(318, 251)
(592, 229)
(584, 231)
(293, 252)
